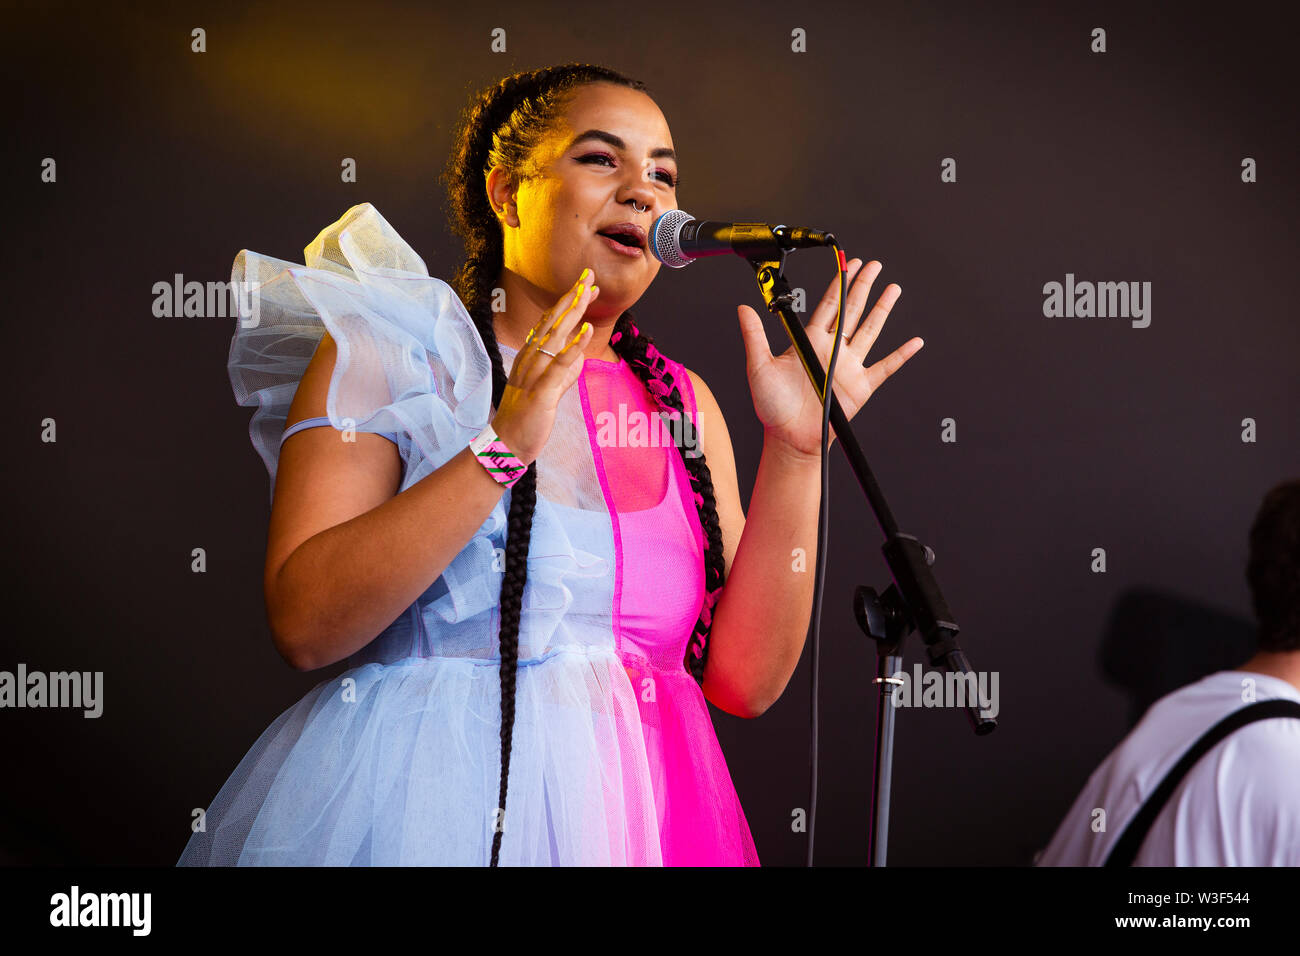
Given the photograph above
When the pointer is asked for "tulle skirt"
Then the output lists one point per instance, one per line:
(399, 764)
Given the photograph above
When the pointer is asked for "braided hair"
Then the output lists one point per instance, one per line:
(501, 126)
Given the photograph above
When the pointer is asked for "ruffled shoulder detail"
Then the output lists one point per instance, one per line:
(409, 362)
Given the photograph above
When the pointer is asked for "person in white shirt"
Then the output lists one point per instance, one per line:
(1239, 803)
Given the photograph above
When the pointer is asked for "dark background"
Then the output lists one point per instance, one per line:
(1072, 433)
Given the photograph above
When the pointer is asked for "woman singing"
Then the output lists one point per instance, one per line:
(517, 524)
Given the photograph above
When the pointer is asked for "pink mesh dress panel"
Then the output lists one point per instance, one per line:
(658, 593)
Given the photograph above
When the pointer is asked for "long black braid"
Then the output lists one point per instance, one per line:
(502, 125)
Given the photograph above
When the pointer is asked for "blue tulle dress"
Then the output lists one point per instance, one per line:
(397, 760)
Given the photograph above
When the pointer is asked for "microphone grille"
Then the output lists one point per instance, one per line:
(664, 236)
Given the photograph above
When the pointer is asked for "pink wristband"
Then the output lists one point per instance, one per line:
(498, 459)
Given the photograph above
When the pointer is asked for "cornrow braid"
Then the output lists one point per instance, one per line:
(501, 126)
(638, 350)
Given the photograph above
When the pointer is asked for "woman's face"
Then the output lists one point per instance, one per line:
(580, 185)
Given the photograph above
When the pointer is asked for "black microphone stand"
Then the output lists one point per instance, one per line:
(913, 601)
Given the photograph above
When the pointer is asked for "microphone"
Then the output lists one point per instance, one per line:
(677, 239)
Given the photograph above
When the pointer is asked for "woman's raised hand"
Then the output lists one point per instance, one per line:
(538, 379)
(784, 397)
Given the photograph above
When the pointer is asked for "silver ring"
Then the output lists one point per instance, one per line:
(544, 352)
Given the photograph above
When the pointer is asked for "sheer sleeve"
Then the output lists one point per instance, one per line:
(410, 361)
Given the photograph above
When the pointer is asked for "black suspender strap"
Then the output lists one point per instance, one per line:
(1130, 841)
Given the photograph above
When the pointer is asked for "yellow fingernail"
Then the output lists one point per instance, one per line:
(582, 287)
(585, 327)
(583, 278)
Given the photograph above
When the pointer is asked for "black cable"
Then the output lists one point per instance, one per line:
(823, 516)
